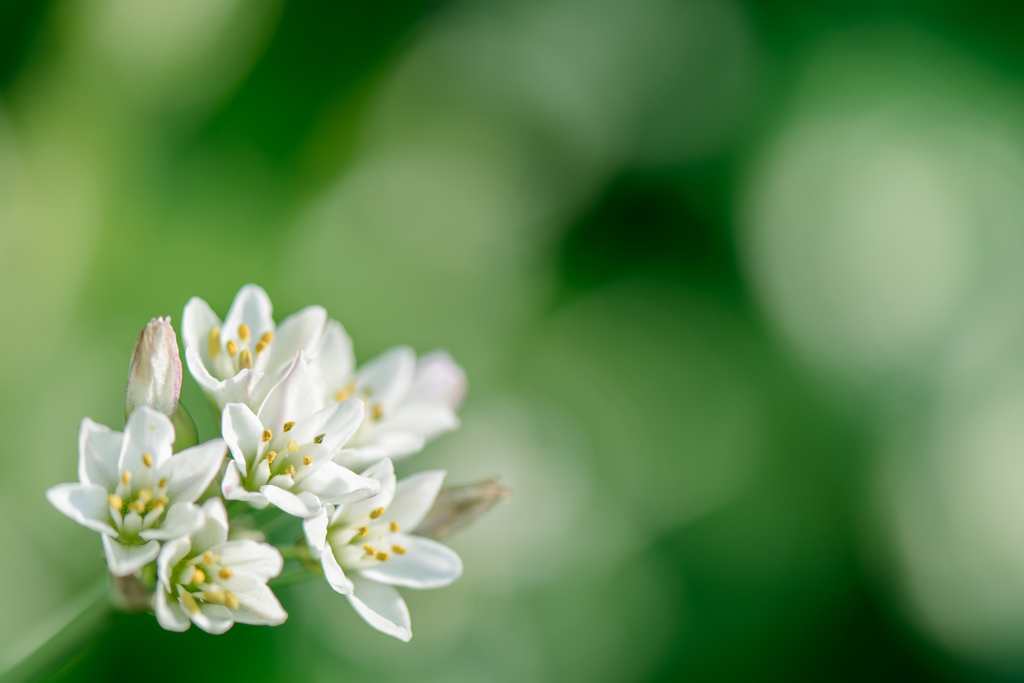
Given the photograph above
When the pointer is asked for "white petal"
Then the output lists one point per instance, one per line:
(214, 619)
(214, 530)
(259, 606)
(315, 530)
(333, 572)
(182, 519)
(98, 450)
(196, 322)
(414, 496)
(169, 615)
(84, 503)
(394, 445)
(388, 377)
(232, 488)
(337, 423)
(384, 472)
(251, 306)
(261, 560)
(171, 553)
(200, 372)
(381, 607)
(438, 379)
(298, 332)
(148, 431)
(425, 564)
(332, 483)
(302, 505)
(123, 560)
(423, 419)
(291, 400)
(242, 432)
(192, 470)
(333, 361)
(248, 386)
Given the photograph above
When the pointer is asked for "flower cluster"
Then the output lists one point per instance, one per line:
(298, 419)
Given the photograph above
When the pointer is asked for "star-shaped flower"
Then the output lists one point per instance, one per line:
(133, 490)
(365, 548)
(239, 360)
(408, 401)
(205, 579)
(283, 454)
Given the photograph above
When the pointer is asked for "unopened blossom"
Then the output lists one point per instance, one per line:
(239, 360)
(283, 454)
(407, 401)
(207, 580)
(154, 376)
(133, 491)
(365, 548)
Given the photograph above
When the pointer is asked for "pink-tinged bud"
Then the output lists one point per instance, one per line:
(459, 506)
(154, 377)
(438, 379)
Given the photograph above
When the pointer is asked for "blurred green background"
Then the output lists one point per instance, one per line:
(737, 285)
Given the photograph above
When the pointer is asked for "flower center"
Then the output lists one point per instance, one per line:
(240, 351)
(281, 468)
(365, 542)
(201, 579)
(136, 504)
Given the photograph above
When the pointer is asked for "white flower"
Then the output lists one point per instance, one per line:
(204, 578)
(133, 491)
(236, 361)
(408, 402)
(154, 376)
(365, 551)
(283, 454)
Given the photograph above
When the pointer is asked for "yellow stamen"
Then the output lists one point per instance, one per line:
(270, 457)
(398, 550)
(383, 556)
(145, 495)
(245, 360)
(378, 411)
(370, 550)
(210, 557)
(307, 460)
(267, 338)
(288, 426)
(214, 596)
(156, 510)
(190, 602)
(225, 573)
(260, 347)
(126, 477)
(290, 471)
(342, 394)
(267, 436)
(230, 600)
(114, 501)
(319, 438)
(162, 484)
(243, 332)
(232, 347)
(214, 341)
(394, 526)
(199, 577)
(377, 512)
(138, 506)
(147, 459)
(162, 501)
(363, 530)
(293, 445)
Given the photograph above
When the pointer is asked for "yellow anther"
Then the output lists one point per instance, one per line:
(270, 457)
(232, 347)
(215, 596)
(147, 459)
(126, 477)
(230, 600)
(267, 338)
(162, 484)
(378, 411)
(162, 501)
(394, 526)
(370, 550)
(245, 360)
(156, 510)
(145, 495)
(290, 471)
(199, 577)
(114, 501)
(383, 556)
(319, 438)
(398, 550)
(225, 573)
(293, 445)
(288, 426)
(210, 557)
(363, 530)
(377, 512)
(342, 394)
(214, 341)
(260, 347)
(307, 460)
(190, 603)
(243, 332)
(138, 506)
(267, 436)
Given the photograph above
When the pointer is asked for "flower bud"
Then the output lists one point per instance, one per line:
(459, 506)
(154, 377)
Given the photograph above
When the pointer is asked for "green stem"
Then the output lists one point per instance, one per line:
(292, 576)
(40, 653)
